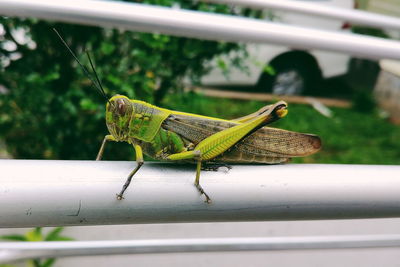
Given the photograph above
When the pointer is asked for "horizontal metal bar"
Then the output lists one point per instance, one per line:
(54, 193)
(325, 11)
(13, 251)
(146, 18)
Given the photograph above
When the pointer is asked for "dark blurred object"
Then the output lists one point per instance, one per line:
(363, 72)
(364, 101)
(294, 73)
(363, 76)
(370, 31)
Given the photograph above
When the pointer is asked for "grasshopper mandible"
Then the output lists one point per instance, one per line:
(169, 135)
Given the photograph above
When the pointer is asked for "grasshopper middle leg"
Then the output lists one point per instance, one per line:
(103, 144)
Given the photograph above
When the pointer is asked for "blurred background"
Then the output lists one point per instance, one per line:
(48, 109)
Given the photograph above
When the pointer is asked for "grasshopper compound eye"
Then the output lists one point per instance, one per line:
(121, 107)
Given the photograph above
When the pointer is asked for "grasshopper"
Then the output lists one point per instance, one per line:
(169, 135)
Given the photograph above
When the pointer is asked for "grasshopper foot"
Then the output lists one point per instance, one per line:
(202, 192)
(120, 197)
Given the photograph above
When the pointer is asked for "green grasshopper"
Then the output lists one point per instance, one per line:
(169, 135)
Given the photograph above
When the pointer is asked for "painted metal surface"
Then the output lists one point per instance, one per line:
(50, 193)
(354, 16)
(13, 251)
(147, 18)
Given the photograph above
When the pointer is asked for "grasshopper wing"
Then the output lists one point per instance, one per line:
(266, 145)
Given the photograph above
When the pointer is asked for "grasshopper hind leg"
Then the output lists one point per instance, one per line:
(197, 182)
(197, 157)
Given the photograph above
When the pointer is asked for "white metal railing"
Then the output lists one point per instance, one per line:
(49, 193)
(349, 15)
(55, 193)
(13, 251)
(146, 18)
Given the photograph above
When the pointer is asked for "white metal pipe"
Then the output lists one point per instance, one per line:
(54, 193)
(146, 18)
(13, 251)
(348, 15)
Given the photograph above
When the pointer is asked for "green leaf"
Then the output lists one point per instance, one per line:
(14, 237)
(270, 70)
(107, 48)
(48, 262)
(64, 238)
(34, 235)
(51, 76)
(114, 79)
(53, 235)
(222, 64)
(35, 262)
(88, 104)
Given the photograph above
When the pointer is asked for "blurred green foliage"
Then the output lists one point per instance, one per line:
(50, 109)
(34, 235)
(364, 30)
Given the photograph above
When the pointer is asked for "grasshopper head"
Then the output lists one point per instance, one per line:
(119, 110)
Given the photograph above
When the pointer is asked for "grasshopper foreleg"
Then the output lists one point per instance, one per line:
(106, 138)
(139, 160)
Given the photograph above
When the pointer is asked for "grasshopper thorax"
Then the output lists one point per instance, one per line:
(119, 110)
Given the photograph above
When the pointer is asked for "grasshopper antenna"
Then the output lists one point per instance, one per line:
(96, 76)
(97, 85)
